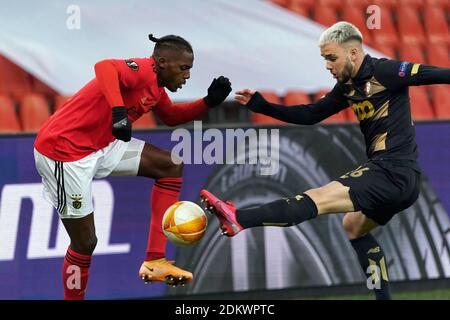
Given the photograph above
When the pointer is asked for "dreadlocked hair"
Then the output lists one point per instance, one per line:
(170, 42)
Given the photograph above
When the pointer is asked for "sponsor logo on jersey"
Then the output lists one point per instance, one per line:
(146, 101)
(363, 110)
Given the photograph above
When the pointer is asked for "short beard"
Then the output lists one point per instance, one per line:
(347, 73)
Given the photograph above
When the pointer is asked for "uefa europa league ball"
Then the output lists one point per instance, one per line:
(184, 223)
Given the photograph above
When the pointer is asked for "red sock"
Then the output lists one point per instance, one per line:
(75, 273)
(165, 192)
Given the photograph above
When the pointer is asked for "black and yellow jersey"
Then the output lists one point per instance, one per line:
(378, 95)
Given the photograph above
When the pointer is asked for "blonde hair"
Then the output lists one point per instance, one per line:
(340, 32)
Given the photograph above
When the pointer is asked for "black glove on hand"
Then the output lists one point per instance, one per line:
(219, 89)
(121, 126)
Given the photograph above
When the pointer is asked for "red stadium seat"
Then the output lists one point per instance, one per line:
(302, 7)
(420, 105)
(438, 56)
(442, 4)
(60, 101)
(336, 118)
(307, 4)
(14, 81)
(351, 116)
(40, 87)
(441, 101)
(146, 121)
(410, 4)
(388, 4)
(412, 53)
(296, 97)
(282, 3)
(387, 34)
(360, 4)
(34, 112)
(386, 50)
(272, 97)
(325, 16)
(436, 25)
(334, 4)
(9, 121)
(298, 8)
(357, 16)
(320, 94)
(410, 27)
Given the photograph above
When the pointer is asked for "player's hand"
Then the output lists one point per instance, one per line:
(218, 91)
(244, 96)
(121, 125)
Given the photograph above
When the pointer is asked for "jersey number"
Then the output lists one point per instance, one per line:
(358, 172)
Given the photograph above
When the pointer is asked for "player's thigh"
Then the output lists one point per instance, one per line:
(380, 189)
(356, 224)
(158, 163)
(68, 185)
(146, 160)
(331, 198)
(123, 159)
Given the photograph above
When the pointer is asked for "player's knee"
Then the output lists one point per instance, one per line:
(350, 228)
(175, 170)
(90, 243)
(86, 245)
(179, 169)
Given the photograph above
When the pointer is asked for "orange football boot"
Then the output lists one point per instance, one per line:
(164, 271)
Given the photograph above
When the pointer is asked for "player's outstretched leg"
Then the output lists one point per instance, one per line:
(331, 198)
(156, 163)
(369, 252)
(75, 271)
(285, 212)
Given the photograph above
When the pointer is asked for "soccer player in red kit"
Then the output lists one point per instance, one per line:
(91, 136)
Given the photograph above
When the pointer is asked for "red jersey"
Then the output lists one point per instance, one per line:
(83, 124)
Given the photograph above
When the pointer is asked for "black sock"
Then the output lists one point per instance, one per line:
(285, 212)
(369, 253)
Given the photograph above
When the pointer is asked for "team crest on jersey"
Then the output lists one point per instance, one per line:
(76, 200)
(132, 64)
(147, 104)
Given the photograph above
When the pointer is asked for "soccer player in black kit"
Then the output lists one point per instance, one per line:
(370, 195)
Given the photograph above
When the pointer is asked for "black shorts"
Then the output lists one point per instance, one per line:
(382, 188)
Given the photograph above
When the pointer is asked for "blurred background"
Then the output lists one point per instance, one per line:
(47, 52)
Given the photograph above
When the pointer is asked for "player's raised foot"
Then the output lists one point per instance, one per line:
(164, 271)
(224, 211)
